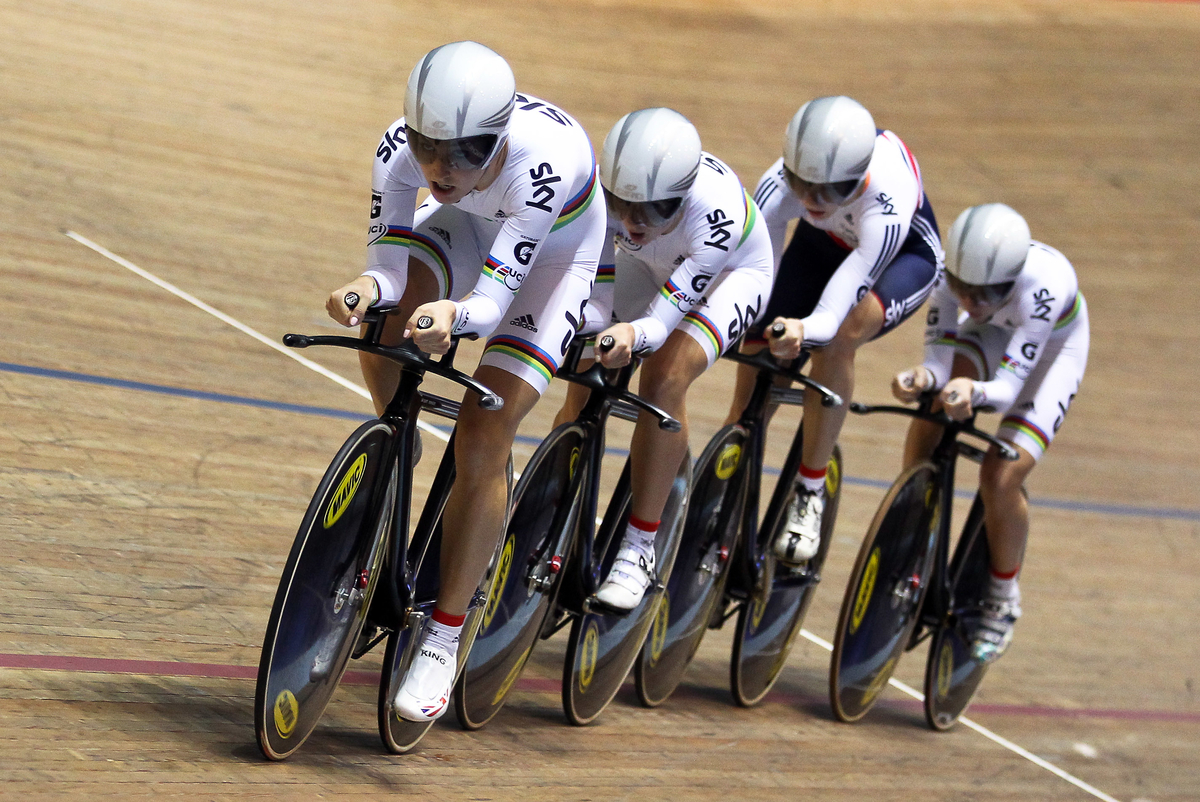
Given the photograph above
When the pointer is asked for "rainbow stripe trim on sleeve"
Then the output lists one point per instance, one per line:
(710, 331)
(669, 291)
(1069, 314)
(406, 237)
(950, 338)
(606, 274)
(1026, 428)
(524, 351)
(751, 216)
(578, 204)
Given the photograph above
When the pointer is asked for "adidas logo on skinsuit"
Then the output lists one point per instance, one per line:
(524, 321)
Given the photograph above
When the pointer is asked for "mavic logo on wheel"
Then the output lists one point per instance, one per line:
(498, 583)
(658, 632)
(865, 589)
(727, 463)
(345, 491)
(287, 713)
(587, 656)
(833, 477)
(945, 669)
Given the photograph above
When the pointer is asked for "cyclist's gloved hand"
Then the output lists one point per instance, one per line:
(787, 345)
(957, 398)
(907, 385)
(618, 356)
(434, 338)
(366, 290)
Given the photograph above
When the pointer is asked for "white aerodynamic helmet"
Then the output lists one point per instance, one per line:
(650, 155)
(462, 91)
(829, 140)
(987, 245)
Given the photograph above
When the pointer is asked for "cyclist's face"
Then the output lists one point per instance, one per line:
(452, 168)
(821, 199)
(644, 222)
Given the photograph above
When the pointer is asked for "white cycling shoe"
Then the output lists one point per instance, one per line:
(995, 632)
(631, 576)
(425, 693)
(801, 538)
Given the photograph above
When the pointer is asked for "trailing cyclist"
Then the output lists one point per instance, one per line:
(691, 270)
(510, 231)
(864, 256)
(1008, 329)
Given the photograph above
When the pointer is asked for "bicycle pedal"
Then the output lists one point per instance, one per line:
(592, 605)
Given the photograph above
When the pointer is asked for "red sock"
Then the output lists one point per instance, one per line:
(447, 620)
(812, 479)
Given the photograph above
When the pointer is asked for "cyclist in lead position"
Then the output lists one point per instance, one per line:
(1020, 344)
(512, 232)
(691, 269)
(864, 256)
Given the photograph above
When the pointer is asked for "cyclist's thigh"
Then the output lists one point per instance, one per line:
(1041, 407)
(540, 323)
(451, 243)
(810, 260)
(732, 304)
(905, 284)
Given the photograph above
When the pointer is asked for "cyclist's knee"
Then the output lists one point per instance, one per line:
(668, 373)
(1002, 479)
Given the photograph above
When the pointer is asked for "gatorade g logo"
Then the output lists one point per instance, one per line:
(727, 463)
(945, 669)
(865, 589)
(588, 653)
(833, 477)
(498, 582)
(345, 491)
(287, 713)
(658, 633)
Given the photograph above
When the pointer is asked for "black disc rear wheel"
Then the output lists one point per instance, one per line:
(526, 577)
(603, 647)
(883, 597)
(770, 620)
(951, 674)
(695, 587)
(325, 591)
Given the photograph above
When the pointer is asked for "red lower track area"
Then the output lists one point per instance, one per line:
(163, 668)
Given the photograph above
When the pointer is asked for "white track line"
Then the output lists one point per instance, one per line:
(237, 324)
(984, 731)
(308, 363)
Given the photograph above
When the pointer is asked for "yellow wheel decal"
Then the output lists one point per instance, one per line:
(880, 680)
(865, 589)
(945, 669)
(590, 649)
(727, 463)
(345, 491)
(833, 477)
(512, 676)
(573, 463)
(287, 713)
(498, 582)
(658, 635)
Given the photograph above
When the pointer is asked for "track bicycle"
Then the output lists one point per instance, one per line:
(905, 588)
(554, 558)
(726, 565)
(354, 578)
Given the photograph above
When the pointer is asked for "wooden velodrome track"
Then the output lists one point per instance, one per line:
(146, 509)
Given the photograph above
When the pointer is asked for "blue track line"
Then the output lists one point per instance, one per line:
(1173, 513)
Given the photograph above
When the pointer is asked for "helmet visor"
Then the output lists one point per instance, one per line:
(835, 192)
(467, 153)
(990, 294)
(654, 214)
